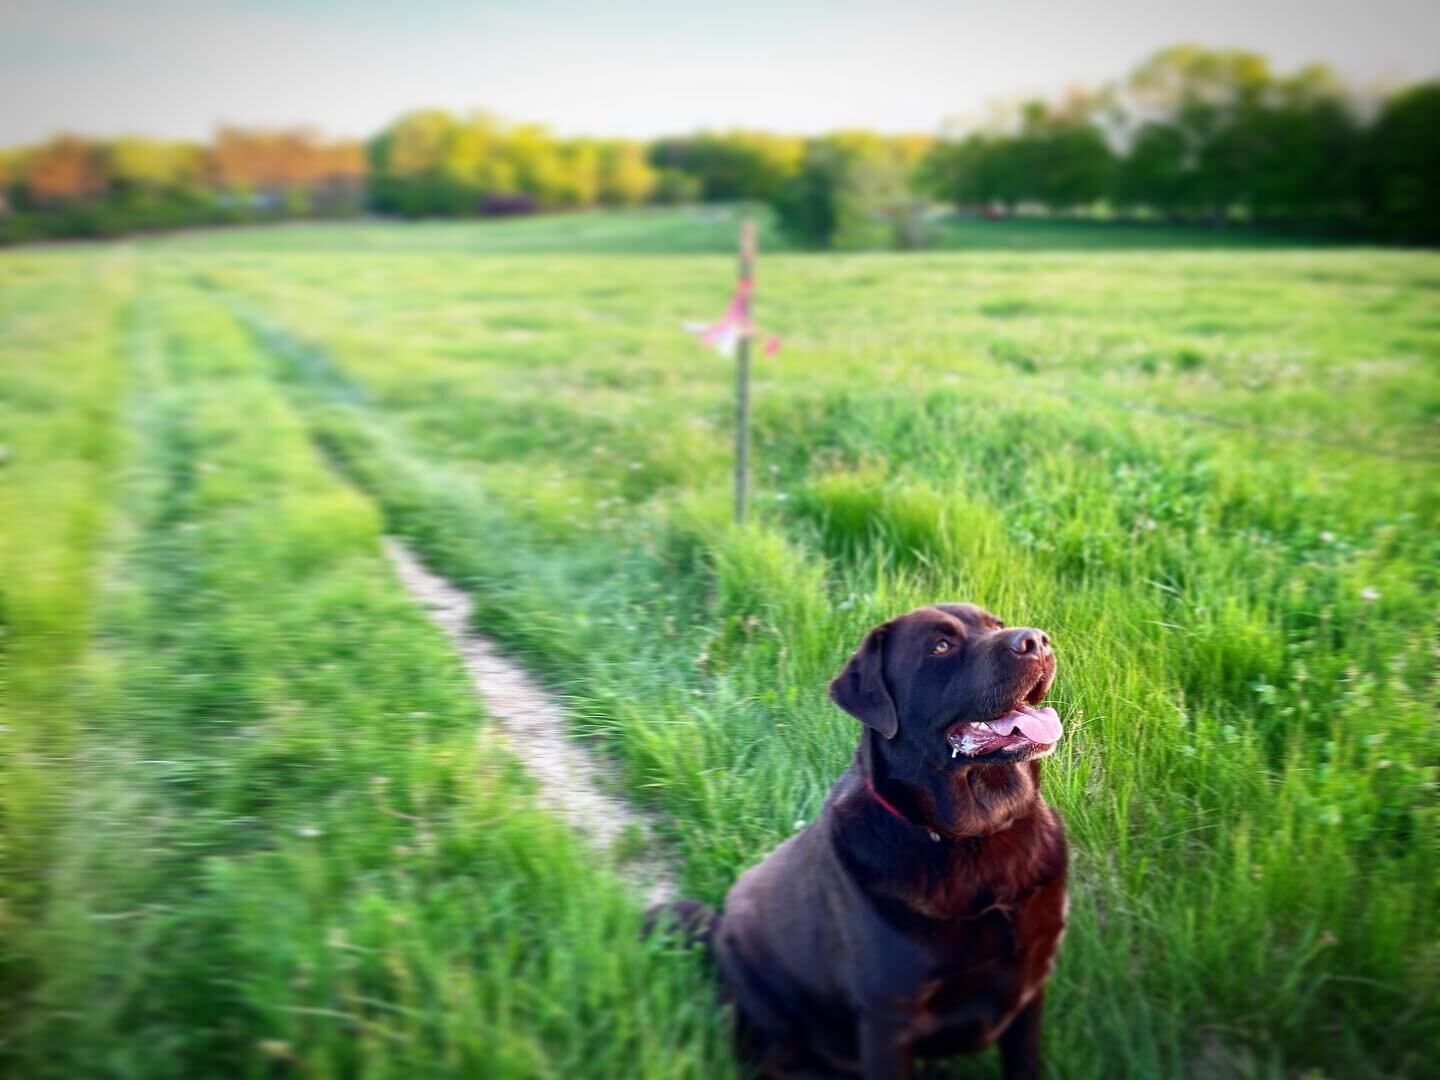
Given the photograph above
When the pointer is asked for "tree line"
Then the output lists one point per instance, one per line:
(75, 187)
(1192, 135)
(1212, 136)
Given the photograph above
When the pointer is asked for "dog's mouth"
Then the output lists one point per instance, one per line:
(1024, 730)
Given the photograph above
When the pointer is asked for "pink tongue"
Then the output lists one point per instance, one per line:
(1037, 725)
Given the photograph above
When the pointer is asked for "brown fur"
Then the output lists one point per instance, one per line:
(861, 942)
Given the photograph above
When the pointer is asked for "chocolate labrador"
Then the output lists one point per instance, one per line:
(921, 912)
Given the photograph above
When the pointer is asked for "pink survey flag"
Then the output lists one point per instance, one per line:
(724, 335)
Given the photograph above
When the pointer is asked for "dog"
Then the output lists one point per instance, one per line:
(920, 914)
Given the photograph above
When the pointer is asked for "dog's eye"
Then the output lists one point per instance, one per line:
(941, 646)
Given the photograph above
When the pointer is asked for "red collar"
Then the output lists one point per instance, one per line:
(888, 805)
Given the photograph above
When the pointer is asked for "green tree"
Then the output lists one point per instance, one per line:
(1208, 96)
(675, 188)
(1056, 157)
(1063, 160)
(972, 171)
(1403, 181)
(581, 159)
(734, 164)
(154, 165)
(853, 190)
(1305, 151)
(1159, 171)
(425, 163)
(626, 177)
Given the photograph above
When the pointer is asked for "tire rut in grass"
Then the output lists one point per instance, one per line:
(565, 773)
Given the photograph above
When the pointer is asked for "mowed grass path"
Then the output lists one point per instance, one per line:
(260, 827)
(1246, 625)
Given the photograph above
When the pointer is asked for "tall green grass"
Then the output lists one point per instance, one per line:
(1245, 625)
(61, 321)
(285, 846)
(1245, 621)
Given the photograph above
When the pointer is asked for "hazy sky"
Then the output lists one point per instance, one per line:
(178, 67)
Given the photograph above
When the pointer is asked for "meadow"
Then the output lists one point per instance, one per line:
(252, 820)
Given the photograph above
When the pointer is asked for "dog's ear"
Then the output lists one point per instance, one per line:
(860, 688)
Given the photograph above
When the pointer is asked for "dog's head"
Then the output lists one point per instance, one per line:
(951, 685)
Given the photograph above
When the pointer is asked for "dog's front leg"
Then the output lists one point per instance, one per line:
(1020, 1041)
(885, 1050)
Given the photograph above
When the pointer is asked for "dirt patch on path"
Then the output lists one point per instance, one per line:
(566, 773)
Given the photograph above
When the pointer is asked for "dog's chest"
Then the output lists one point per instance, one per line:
(983, 969)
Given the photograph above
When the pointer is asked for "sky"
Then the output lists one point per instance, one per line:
(178, 68)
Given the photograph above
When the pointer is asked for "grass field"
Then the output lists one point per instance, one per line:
(248, 823)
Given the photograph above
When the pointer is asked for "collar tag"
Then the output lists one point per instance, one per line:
(934, 836)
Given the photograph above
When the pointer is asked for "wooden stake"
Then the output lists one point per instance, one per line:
(742, 374)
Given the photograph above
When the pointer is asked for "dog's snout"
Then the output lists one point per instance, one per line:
(1027, 641)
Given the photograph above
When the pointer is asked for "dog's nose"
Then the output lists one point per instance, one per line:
(1027, 641)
